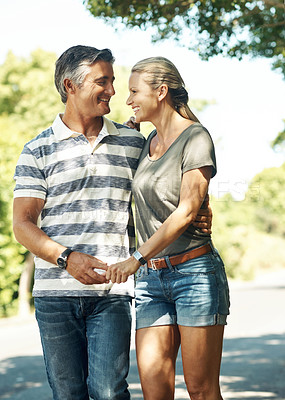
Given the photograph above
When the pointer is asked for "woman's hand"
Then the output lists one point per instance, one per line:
(131, 123)
(119, 272)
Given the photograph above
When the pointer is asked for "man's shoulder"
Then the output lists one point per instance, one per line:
(43, 138)
(125, 130)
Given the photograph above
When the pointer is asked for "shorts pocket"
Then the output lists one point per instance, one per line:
(141, 273)
(202, 265)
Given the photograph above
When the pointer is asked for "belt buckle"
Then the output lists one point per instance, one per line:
(153, 266)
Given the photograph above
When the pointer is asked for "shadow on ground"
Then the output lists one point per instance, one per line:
(252, 368)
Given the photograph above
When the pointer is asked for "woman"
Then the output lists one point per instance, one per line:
(181, 287)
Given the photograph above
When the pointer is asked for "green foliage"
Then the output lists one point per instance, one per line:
(268, 200)
(278, 143)
(209, 27)
(250, 234)
(28, 104)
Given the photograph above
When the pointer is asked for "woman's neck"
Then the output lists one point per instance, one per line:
(168, 128)
(169, 125)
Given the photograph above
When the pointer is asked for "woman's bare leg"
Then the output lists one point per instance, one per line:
(157, 349)
(201, 349)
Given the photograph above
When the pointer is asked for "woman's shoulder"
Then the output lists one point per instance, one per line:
(195, 128)
(196, 131)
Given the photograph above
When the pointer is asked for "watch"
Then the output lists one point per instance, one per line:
(62, 259)
(137, 255)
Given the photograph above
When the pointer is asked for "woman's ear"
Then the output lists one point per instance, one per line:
(69, 86)
(163, 90)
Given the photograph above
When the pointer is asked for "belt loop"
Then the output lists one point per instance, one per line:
(212, 247)
(168, 263)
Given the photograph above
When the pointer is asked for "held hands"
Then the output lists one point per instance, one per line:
(81, 267)
(119, 272)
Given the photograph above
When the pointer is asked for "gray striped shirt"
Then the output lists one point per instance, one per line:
(87, 193)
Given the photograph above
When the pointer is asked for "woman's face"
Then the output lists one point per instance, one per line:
(143, 99)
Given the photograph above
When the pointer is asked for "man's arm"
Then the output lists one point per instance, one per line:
(26, 211)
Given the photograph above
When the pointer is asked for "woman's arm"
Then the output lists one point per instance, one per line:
(194, 188)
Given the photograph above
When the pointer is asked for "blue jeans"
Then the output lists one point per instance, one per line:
(86, 342)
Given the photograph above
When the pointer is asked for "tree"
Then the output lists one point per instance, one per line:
(268, 199)
(28, 104)
(250, 234)
(209, 27)
(278, 143)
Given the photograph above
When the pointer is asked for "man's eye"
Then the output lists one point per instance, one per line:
(101, 83)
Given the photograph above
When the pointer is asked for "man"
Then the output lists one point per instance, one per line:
(76, 176)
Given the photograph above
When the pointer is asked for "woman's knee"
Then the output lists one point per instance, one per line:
(204, 390)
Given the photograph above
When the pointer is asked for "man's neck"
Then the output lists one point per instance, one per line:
(89, 127)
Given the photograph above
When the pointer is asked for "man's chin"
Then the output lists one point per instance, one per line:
(105, 109)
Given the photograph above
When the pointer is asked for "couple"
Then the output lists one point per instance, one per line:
(77, 177)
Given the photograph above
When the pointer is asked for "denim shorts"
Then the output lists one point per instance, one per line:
(194, 293)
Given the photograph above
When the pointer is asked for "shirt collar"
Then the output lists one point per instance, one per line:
(61, 131)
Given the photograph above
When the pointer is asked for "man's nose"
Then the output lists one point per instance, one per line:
(110, 89)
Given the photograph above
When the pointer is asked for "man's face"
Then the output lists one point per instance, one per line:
(93, 96)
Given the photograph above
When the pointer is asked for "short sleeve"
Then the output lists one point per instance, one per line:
(29, 177)
(199, 150)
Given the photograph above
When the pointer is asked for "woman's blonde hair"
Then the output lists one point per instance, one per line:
(160, 71)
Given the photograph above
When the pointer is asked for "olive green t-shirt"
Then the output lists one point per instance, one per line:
(156, 185)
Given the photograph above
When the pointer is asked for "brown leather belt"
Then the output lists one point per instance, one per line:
(160, 263)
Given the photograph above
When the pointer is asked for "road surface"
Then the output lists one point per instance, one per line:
(253, 365)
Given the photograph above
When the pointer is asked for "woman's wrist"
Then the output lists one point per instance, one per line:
(139, 258)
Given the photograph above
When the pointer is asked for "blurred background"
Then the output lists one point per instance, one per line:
(231, 56)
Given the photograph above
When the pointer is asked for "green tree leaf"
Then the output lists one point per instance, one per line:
(209, 27)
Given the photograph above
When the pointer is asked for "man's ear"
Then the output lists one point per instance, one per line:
(163, 90)
(69, 85)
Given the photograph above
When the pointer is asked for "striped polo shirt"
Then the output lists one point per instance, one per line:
(87, 193)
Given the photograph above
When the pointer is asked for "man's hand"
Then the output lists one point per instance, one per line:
(204, 217)
(131, 123)
(81, 267)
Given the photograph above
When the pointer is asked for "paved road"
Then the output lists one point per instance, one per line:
(253, 365)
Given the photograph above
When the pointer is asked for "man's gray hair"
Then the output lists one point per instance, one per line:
(75, 63)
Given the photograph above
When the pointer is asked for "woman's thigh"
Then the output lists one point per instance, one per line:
(157, 349)
(201, 349)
